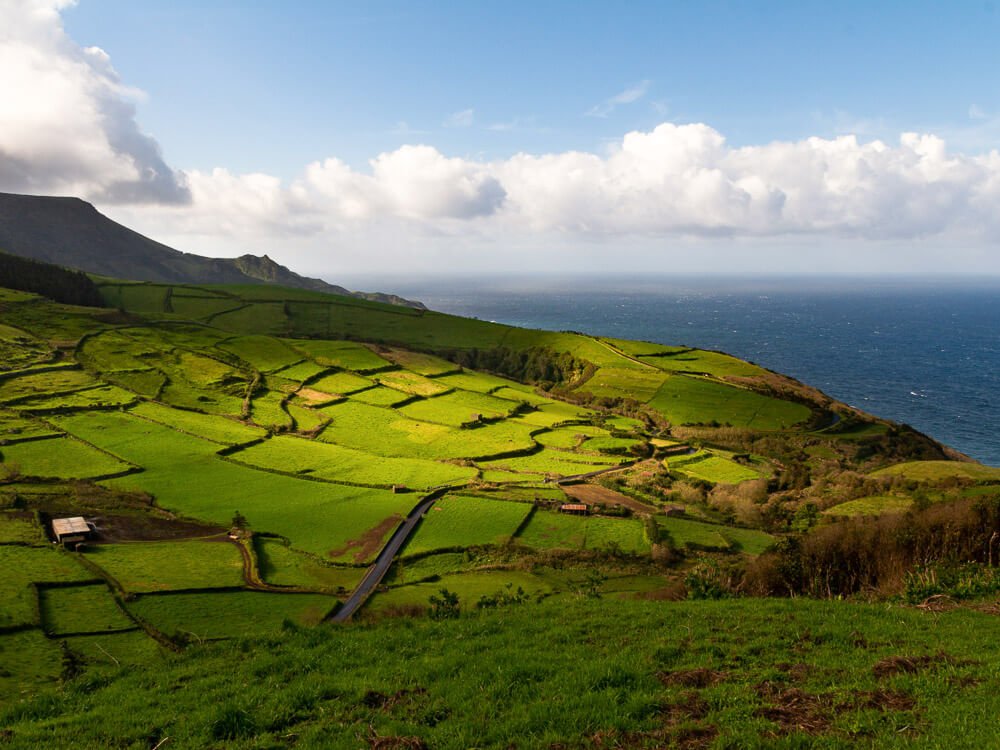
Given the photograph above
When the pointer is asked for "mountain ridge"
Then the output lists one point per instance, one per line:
(71, 232)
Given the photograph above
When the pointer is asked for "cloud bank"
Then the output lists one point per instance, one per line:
(67, 122)
(68, 126)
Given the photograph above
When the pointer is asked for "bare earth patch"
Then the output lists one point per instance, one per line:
(595, 494)
(370, 542)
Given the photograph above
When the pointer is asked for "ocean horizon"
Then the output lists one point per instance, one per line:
(917, 350)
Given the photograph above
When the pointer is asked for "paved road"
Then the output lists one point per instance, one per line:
(381, 565)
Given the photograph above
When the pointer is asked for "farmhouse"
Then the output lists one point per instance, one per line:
(70, 531)
(576, 509)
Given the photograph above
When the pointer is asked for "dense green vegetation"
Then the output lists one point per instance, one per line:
(310, 426)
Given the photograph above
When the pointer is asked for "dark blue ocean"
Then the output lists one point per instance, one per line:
(924, 352)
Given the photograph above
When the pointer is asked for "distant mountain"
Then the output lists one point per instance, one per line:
(71, 232)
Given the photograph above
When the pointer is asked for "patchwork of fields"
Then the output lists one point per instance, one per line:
(248, 409)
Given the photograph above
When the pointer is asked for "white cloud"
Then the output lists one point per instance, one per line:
(628, 96)
(462, 119)
(67, 122)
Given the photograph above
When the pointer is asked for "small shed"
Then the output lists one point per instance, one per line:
(576, 509)
(69, 531)
(675, 510)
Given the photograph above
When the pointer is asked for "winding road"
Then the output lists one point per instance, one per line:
(385, 558)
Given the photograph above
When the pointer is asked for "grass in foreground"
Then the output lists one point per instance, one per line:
(576, 673)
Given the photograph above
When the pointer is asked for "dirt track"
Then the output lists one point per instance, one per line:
(595, 494)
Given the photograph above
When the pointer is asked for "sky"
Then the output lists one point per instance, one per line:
(346, 138)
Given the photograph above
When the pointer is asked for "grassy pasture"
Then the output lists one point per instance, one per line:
(15, 427)
(337, 463)
(552, 530)
(112, 650)
(874, 505)
(201, 308)
(19, 528)
(716, 469)
(469, 586)
(457, 408)
(19, 349)
(282, 566)
(570, 436)
(640, 384)
(517, 393)
(342, 383)
(223, 430)
(186, 476)
(28, 660)
(713, 363)
(81, 609)
(684, 532)
(385, 432)
(264, 353)
(230, 614)
(549, 461)
(420, 363)
(411, 383)
(60, 457)
(138, 297)
(306, 419)
(345, 354)
(266, 410)
(616, 672)
(25, 565)
(301, 371)
(261, 317)
(54, 382)
(607, 444)
(457, 521)
(380, 396)
(624, 424)
(98, 396)
(142, 567)
(481, 382)
(935, 471)
(687, 400)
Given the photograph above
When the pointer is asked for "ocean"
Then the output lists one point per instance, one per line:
(920, 351)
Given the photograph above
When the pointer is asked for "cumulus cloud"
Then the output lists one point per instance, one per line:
(67, 122)
(629, 95)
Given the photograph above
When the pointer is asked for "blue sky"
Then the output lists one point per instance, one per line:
(348, 137)
(272, 86)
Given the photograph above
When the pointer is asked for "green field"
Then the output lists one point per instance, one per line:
(551, 530)
(264, 353)
(469, 587)
(933, 471)
(23, 566)
(712, 468)
(469, 380)
(640, 384)
(186, 476)
(141, 567)
(338, 464)
(458, 408)
(341, 383)
(223, 430)
(384, 432)
(19, 528)
(345, 354)
(410, 383)
(688, 400)
(457, 521)
(874, 505)
(554, 462)
(81, 609)
(282, 566)
(569, 437)
(60, 457)
(380, 396)
(230, 614)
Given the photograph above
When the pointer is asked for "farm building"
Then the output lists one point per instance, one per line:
(577, 509)
(69, 531)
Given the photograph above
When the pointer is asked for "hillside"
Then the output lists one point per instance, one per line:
(70, 232)
(247, 454)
